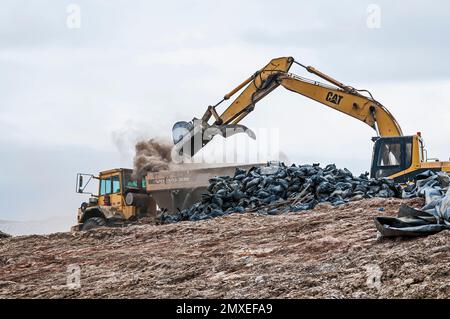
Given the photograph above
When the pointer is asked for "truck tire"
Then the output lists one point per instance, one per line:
(93, 222)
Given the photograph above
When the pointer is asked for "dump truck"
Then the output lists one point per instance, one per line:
(121, 199)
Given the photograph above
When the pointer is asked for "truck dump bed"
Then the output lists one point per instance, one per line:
(182, 187)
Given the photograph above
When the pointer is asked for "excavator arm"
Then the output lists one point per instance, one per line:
(190, 137)
(349, 102)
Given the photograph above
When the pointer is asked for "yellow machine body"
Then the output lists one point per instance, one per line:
(119, 199)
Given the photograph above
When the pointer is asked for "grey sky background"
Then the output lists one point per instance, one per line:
(76, 100)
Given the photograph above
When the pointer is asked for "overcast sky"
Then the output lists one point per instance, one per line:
(76, 99)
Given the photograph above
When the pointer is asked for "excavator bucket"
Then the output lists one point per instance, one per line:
(180, 129)
(191, 137)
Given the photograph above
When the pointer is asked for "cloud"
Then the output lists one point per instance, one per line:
(400, 50)
(77, 99)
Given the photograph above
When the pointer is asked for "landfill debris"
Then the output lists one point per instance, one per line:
(277, 188)
(4, 235)
(431, 218)
(327, 253)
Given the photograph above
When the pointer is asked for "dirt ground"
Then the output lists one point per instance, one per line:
(323, 253)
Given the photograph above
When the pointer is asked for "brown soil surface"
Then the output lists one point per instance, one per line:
(323, 253)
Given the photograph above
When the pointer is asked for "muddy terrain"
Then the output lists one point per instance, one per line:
(328, 252)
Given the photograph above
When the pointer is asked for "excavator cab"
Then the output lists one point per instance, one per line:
(401, 158)
(391, 155)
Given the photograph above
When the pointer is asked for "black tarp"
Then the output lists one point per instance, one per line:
(431, 219)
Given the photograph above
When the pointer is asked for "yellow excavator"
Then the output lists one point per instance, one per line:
(394, 156)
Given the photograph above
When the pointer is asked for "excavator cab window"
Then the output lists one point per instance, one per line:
(408, 154)
(421, 150)
(391, 155)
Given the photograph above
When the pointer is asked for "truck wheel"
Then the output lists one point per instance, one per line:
(93, 222)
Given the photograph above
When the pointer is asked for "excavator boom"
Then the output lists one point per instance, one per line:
(351, 103)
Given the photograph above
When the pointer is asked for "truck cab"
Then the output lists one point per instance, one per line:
(119, 198)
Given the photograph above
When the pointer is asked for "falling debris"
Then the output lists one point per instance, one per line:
(276, 188)
(152, 156)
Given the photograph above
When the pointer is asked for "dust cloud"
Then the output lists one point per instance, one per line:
(152, 156)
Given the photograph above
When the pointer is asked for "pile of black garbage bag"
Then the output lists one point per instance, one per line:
(4, 235)
(277, 188)
(430, 219)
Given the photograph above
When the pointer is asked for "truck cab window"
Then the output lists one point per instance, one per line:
(115, 184)
(128, 181)
(105, 186)
(390, 154)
